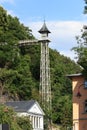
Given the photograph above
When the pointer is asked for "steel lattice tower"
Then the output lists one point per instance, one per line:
(45, 86)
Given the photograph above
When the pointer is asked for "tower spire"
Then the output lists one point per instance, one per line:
(44, 30)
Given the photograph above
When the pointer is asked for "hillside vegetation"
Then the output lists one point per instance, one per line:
(20, 69)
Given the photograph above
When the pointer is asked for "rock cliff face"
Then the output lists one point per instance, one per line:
(57, 127)
(2, 99)
(5, 98)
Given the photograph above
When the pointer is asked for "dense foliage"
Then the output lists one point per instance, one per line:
(85, 7)
(20, 70)
(8, 116)
(61, 86)
(81, 49)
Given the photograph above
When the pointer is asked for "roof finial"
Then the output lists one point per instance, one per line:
(44, 19)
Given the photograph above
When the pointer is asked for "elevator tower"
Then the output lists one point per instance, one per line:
(45, 85)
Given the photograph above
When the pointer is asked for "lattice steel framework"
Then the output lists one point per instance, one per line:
(45, 85)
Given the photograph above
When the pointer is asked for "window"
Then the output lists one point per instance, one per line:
(85, 84)
(85, 106)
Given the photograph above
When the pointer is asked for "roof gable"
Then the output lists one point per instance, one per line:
(36, 109)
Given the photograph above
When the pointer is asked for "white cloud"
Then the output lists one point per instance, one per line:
(6, 1)
(62, 34)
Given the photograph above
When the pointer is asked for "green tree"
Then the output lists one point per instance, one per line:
(8, 116)
(81, 49)
(3, 21)
(15, 68)
(61, 87)
(85, 7)
(66, 114)
(24, 123)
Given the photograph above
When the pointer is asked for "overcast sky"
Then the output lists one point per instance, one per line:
(64, 18)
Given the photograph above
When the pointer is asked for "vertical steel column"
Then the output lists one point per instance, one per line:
(45, 86)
